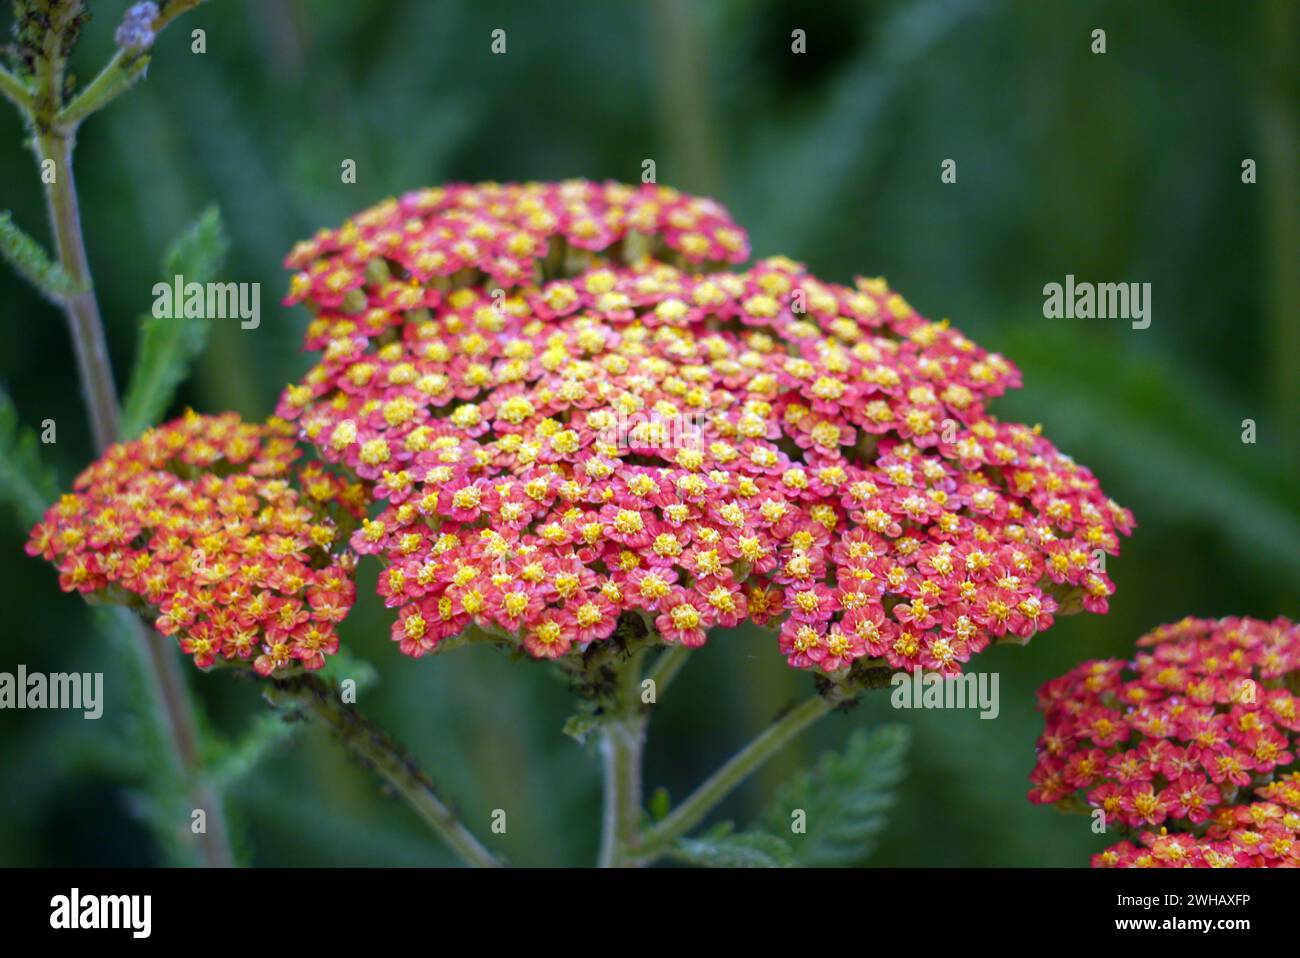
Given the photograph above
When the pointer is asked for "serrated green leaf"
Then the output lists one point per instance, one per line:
(843, 799)
(199, 252)
(26, 485)
(168, 346)
(722, 847)
(32, 263)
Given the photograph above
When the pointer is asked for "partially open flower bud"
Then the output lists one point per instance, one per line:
(135, 32)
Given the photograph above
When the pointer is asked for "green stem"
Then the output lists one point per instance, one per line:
(118, 75)
(376, 750)
(707, 796)
(666, 667)
(622, 744)
(81, 308)
(163, 671)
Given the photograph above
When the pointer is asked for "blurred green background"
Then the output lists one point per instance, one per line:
(1117, 167)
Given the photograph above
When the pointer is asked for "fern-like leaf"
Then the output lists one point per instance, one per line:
(26, 485)
(33, 264)
(843, 799)
(168, 346)
(723, 847)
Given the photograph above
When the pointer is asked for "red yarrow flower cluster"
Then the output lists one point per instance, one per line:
(568, 413)
(1174, 743)
(207, 523)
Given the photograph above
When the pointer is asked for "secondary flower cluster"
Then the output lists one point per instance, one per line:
(568, 414)
(206, 522)
(1175, 742)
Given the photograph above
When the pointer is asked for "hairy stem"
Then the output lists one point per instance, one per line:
(622, 743)
(741, 765)
(80, 308)
(174, 708)
(377, 751)
(666, 667)
(163, 671)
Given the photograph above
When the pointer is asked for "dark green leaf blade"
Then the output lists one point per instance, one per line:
(168, 346)
(26, 485)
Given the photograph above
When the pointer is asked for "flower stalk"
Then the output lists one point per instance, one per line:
(625, 842)
(666, 667)
(377, 751)
(81, 308)
(622, 745)
(739, 767)
(163, 671)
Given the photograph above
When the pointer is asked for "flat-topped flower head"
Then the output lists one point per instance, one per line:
(1174, 744)
(207, 523)
(557, 447)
